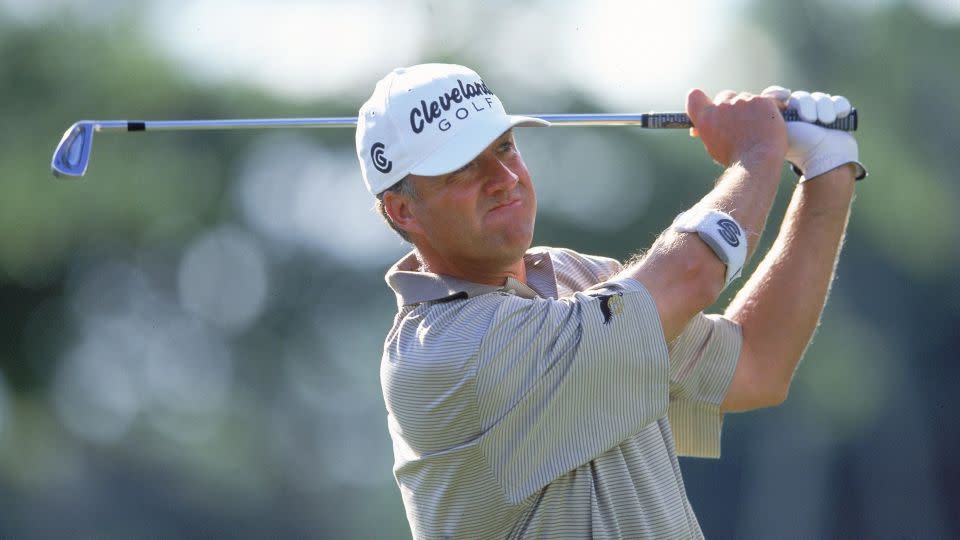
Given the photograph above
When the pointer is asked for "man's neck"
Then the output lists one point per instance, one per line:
(474, 271)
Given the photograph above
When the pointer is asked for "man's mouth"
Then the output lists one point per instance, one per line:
(506, 204)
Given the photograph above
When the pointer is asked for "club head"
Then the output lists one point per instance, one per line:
(73, 153)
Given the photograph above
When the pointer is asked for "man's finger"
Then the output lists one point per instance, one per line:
(825, 110)
(779, 94)
(841, 105)
(726, 95)
(802, 102)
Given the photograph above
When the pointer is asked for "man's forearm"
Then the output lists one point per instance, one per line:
(780, 306)
(746, 191)
(679, 262)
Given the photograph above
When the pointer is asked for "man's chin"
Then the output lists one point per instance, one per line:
(516, 229)
(516, 244)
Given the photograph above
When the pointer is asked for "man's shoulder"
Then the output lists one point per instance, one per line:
(454, 321)
(570, 262)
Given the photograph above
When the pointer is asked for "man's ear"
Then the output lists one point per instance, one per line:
(399, 208)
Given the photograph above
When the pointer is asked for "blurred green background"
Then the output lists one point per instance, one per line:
(191, 333)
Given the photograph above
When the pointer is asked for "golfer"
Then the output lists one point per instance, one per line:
(544, 393)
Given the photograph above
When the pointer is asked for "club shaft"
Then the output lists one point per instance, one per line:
(645, 120)
(73, 153)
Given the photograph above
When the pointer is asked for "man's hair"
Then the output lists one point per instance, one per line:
(403, 187)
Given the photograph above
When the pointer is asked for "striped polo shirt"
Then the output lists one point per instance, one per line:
(548, 409)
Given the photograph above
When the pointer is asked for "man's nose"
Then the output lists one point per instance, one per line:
(498, 175)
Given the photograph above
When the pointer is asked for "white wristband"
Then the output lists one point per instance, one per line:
(721, 232)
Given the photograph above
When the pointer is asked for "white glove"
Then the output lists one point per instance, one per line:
(814, 150)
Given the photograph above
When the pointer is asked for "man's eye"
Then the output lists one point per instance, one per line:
(457, 173)
(507, 146)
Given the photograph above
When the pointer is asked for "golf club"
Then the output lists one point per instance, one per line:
(72, 154)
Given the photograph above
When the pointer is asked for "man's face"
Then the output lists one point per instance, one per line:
(481, 216)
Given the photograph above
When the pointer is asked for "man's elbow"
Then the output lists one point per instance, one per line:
(754, 387)
(773, 392)
(698, 273)
(682, 282)
(705, 279)
(760, 398)
(778, 395)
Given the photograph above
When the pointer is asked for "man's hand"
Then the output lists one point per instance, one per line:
(814, 150)
(741, 127)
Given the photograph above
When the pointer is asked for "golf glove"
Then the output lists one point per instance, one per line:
(814, 150)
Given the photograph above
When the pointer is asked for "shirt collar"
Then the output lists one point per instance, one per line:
(413, 286)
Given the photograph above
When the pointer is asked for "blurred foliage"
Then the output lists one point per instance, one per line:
(895, 63)
(103, 363)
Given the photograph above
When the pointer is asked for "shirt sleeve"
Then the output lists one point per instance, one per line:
(560, 382)
(702, 361)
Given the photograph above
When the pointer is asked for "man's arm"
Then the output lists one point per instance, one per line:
(745, 133)
(779, 307)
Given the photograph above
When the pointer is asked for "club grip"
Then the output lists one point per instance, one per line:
(681, 120)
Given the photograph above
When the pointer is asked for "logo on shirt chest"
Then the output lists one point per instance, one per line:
(611, 305)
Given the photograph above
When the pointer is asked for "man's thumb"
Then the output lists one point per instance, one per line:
(697, 101)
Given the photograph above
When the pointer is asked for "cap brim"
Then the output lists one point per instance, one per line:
(468, 144)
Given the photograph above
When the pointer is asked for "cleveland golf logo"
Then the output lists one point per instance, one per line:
(380, 161)
(428, 113)
(730, 231)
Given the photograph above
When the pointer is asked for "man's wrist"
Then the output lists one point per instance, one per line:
(760, 161)
(746, 190)
(846, 173)
(825, 164)
(831, 192)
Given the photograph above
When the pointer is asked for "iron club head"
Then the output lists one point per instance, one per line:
(73, 153)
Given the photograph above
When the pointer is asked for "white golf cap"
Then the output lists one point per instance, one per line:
(429, 119)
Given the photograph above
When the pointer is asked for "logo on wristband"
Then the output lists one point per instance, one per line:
(729, 231)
